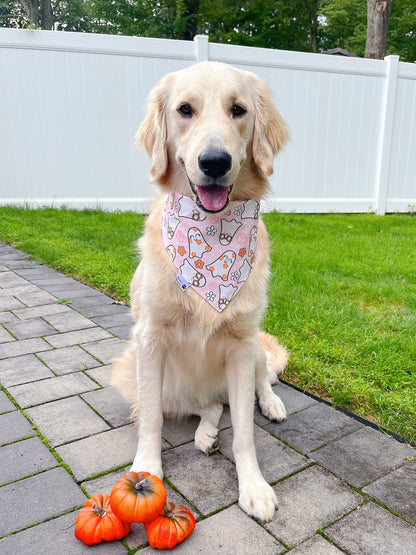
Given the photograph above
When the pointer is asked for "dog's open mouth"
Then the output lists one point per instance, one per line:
(211, 198)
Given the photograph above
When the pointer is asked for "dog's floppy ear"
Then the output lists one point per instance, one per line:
(152, 133)
(270, 130)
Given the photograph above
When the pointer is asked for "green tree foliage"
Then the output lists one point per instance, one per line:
(305, 25)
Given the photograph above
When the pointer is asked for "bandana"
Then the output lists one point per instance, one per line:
(213, 253)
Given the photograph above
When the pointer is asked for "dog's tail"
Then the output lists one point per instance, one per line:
(277, 356)
(124, 377)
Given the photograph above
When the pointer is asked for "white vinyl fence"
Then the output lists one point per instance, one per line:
(70, 105)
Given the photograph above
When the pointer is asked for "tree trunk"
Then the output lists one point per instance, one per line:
(187, 18)
(39, 13)
(311, 7)
(46, 14)
(378, 14)
(32, 11)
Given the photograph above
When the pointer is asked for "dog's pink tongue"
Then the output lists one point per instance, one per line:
(213, 197)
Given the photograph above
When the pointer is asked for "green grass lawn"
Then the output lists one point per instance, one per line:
(342, 295)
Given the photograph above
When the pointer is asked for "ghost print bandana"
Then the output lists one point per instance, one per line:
(213, 253)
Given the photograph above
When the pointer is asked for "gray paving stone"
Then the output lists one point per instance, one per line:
(23, 369)
(119, 319)
(123, 332)
(184, 466)
(309, 500)
(75, 293)
(35, 327)
(371, 529)
(68, 359)
(69, 321)
(182, 430)
(59, 280)
(106, 308)
(19, 263)
(5, 404)
(313, 427)
(37, 298)
(96, 300)
(316, 546)
(8, 302)
(23, 347)
(14, 426)
(227, 533)
(38, 498)
(276, 460)
(7, 317)
(293, 400)
(101, 374)
(106, 351)
(397, 490)
(43, 310)
(100, 453)
(38, 272)
(5, 336)
(178, 431)
(8, 280)
(109, 403)
(58, 285)
(7, 250)
(363, 456)
(70, 338)
(27, 288)
(24, 458)
(66, 420)
(55, 537)
(51, 389)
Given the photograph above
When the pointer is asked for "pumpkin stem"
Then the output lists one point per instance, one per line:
(140, 485)
(99, 510)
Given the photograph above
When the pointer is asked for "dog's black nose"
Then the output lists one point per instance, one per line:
(214, 163)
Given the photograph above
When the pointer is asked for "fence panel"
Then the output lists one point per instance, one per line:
(70, 104)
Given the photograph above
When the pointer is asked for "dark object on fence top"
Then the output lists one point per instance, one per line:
(339, 52)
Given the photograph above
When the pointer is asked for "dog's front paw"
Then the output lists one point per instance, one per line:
(272, 407)
(152, 466)
(206, 438)
(258, 500)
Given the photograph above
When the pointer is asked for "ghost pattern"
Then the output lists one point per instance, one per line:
(192, 275)
(187, 209)
(228, 230)
(244, 271)
(171, 252)
(252, 246)
(222, 265)
(197, 244)
(226, 294)
(251, 209)
(173, 223)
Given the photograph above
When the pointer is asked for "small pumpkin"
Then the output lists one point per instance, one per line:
(171, 527)
(138, 497)
(97, 522)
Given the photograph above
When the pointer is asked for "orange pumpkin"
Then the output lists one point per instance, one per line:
(171, 527)
(97, 522)
(138, 497)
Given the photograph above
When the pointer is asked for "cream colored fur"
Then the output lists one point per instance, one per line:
(184, 356)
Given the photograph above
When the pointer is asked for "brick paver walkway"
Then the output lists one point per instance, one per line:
(65, 433)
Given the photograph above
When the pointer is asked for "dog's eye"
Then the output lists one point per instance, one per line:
(185, 110)
(238, 111)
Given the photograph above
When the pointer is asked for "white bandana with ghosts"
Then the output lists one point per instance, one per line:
(213, 253)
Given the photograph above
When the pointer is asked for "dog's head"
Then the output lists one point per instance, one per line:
(212, 132)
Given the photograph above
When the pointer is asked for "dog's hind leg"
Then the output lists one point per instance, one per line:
(271, 405)
(206, 435)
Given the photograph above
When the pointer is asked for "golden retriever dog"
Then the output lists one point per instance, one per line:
(211, 131)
